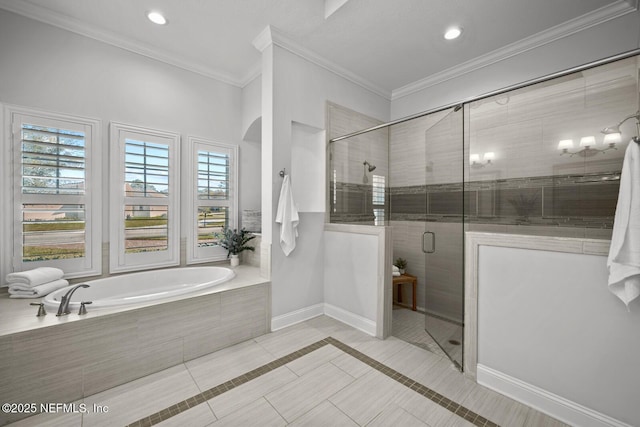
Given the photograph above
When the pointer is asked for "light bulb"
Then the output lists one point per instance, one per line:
(565, 144)
(587, 141)
(157, 18)
(453, 33)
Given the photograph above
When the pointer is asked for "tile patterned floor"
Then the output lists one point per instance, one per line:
(409, 326)
(317, 373)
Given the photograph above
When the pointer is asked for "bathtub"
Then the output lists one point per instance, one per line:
(143, 287)
(108, 347)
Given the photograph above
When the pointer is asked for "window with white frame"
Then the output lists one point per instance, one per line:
(145, 213)
(56, 200)
(212, 192)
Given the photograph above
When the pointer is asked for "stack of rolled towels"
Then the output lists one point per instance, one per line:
(396, 271)
(35, 283)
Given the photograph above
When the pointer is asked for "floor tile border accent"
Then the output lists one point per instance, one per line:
(206, 395)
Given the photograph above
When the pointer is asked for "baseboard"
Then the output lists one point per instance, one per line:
(362, 323)
(297, 316)
(551, 404)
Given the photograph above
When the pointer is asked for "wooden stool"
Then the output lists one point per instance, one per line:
(406, 278)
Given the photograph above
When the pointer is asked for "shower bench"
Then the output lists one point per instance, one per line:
(406, 278)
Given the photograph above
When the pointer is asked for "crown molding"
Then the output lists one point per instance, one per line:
(596, 17)
(252, 74)
(272, 35)
(68, 23)
(264, 39)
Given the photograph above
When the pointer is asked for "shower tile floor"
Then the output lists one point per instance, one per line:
(317, 373)
(409, 326)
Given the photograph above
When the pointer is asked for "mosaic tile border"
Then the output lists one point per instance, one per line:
(425, 391)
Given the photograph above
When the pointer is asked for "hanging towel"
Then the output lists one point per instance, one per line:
(287, 217)
(35, 277)
(624, 254)
(23, 291)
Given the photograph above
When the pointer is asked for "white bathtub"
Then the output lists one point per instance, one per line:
(136, 288)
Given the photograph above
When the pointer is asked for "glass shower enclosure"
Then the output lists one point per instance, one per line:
(532, 160)
(409, 176)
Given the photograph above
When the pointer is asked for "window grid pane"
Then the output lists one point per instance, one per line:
(52, 232)
(53, 160)
(213, 175)
(211, 221)
(146, 228)
(378, 189)
(146, 169)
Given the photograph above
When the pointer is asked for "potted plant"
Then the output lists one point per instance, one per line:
(234, 242)
(401, 263)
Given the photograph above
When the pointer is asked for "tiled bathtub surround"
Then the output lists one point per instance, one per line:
(74, 358)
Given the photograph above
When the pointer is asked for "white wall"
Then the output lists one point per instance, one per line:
(48, 68)
(251, 147)
(607, 39)
(296, 90)
(548, 320)
(251, 108)
(351, 273)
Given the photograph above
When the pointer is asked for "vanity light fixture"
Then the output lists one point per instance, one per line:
(474, 159)
(586, 144)
(615, 130)
(452, 33)
(157, 18)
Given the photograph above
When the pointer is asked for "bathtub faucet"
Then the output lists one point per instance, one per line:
(64, 301)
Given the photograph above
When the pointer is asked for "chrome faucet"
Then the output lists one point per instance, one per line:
(64, 301)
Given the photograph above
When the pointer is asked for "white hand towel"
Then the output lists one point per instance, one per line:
(23, 291)
(624, 254)
(287, 217)
(396, 273)
(396, 269)
(35, 277)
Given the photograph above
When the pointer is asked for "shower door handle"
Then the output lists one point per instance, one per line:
(433, 242)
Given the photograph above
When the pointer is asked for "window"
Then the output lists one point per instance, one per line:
(212, 188)
(378, 199)
(144, 198)
(55, 203)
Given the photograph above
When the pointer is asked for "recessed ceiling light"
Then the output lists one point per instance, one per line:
(453, 33)
(157, 18)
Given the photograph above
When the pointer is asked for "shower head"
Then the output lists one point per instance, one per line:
(371, 167)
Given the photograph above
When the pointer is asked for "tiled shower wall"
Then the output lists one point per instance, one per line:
(528, 183)
(350, 198)
(528, 188)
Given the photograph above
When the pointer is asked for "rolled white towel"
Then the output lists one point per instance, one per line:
(396, 269)
(396, 273)
(35, 277)
(22, 291)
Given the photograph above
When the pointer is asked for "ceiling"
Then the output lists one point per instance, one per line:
(384, 44)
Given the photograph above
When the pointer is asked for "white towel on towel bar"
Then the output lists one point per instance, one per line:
(624, 254)
(35, 277)
(23, 291)
(287, 217)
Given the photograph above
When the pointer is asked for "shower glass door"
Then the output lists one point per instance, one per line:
(443, 237)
